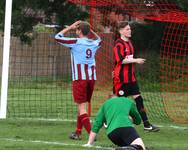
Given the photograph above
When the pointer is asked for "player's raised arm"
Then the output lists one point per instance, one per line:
(66, 41)
(93, 35)
(73, 26)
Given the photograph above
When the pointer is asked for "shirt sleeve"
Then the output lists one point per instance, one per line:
(66, 41)
(99, 120)
(135, 114)
(118, 52)
(99, 41)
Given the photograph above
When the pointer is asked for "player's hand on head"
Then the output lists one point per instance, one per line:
(75, 24)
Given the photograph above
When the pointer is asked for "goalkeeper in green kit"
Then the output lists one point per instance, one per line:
(119, 114)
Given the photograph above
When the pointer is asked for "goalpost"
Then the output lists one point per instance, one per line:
(5, 67)
(39, 84)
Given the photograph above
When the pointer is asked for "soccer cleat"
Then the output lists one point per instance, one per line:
(74, 136)
(151, 128)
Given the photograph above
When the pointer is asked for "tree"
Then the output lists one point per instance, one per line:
(26, 14)
(182, 4)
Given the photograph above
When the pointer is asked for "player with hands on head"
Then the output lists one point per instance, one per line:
(83, 49)
(119, 114)
(124, 79)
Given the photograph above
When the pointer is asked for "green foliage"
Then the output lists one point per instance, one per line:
(22, 22)
(2, 11)
(25, 15)
(182, 4)
(147, 36)
(41, 28)
(147, 41)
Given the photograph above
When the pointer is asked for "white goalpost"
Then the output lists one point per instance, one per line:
(5, 66)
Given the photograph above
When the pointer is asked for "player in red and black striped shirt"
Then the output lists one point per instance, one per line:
(125, 83)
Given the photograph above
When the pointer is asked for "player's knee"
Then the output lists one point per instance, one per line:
(138, 143)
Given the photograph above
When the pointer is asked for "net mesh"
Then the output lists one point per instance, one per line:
(39, 80)
(174, 71)
(40, 73)
(165, 92)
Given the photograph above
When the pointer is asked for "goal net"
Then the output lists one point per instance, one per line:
(40, 73)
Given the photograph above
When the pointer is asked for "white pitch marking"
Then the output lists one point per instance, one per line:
(54, 143)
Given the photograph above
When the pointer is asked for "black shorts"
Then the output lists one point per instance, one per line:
(123, 136)
(126, 89)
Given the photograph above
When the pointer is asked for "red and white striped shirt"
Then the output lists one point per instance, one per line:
(83, 52)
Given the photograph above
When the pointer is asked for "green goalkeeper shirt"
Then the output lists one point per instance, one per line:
(115, 113)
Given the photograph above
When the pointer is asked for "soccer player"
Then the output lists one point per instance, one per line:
(83, 49)
(125, 83)
(119, 114)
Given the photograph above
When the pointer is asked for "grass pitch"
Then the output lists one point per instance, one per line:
(23, 134)
(52, 101)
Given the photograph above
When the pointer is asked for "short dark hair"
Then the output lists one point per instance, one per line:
(84, 27)
(122, 24)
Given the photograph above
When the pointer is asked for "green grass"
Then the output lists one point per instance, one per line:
(26, 134)
(57, 102)
(46, 100)
(54, 101)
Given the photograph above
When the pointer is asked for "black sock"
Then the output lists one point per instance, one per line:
(146, 123)
(141, 110)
